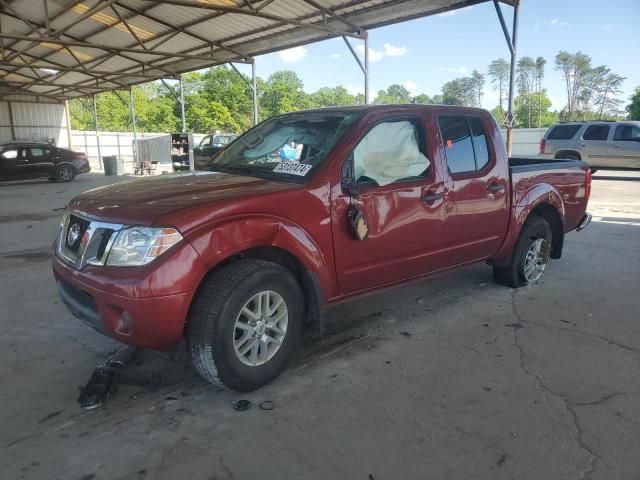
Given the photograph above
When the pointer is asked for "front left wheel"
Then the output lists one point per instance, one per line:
(245, 324)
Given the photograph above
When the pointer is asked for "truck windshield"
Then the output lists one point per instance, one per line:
(289, 147)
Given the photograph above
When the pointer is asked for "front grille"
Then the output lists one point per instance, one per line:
(84, 241)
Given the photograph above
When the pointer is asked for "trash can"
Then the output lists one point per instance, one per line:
(110, 165)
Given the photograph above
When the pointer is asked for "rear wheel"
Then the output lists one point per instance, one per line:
(65, 173)
(245, 324)
(530, 256)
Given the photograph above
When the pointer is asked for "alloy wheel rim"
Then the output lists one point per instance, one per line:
(260, 328)
(65, 173)
(535, 260)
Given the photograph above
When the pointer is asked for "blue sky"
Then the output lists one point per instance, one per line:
(425, 53)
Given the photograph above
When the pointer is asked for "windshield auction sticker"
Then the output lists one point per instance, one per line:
(293, 168)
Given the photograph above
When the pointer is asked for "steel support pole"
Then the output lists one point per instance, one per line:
(95, 121)
(254, 90)
(11, 124)
(136, 160)
(512, 75)
(366, 68)
(184, 121)
(68, 117)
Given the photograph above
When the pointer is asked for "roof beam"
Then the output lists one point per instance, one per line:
(78, 69)
(114, 50)
(261, 14)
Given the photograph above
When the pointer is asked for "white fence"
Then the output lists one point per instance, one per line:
(118, 144)
(526, 142)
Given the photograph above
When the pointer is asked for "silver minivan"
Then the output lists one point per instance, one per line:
(614, 145)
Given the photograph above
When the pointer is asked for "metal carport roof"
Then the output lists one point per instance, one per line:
(58, 49)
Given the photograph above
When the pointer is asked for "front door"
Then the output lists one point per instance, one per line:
(477, 202)
(625, 147)
(401, 201)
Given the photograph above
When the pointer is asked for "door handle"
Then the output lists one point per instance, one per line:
(431, 197)
(495, 187)
(616, 146)
(582, 144)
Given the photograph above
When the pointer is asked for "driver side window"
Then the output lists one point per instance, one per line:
(389, 152)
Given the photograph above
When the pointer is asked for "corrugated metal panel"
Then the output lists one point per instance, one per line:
(249, 33)
(34, 121)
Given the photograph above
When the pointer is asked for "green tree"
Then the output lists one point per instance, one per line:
(330, 97)
(392, 95)
(460, 91)
(205, 116)
(283, 92)
(499, 74)
(634, 107)
(423, 98)
(224, 86)
(478, 85)
(534, 102)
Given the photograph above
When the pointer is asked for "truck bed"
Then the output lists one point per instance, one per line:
(565, 177)
(528, 164)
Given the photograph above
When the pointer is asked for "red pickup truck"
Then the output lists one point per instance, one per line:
(303, 211)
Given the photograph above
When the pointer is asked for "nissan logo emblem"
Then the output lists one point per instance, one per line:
(73, 234)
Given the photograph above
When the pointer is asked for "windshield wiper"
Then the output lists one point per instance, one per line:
(258, 172)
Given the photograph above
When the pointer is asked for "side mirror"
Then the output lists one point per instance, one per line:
(348, 181)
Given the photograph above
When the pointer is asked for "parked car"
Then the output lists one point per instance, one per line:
(19, 161)
(209, 146)
(237, 259)
(605, 145)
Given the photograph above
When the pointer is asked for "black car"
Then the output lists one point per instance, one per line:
(20, 161)
(209, 146)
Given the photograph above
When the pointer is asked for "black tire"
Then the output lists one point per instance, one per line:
(64, 173)
(567, 156)
(211, 324)
(513, 275)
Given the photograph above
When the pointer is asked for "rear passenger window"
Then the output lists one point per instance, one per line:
(465, 142)
(596, 132)
(627, 133)
(563, 132)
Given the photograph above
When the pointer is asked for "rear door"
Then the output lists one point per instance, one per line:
(400, 198)
(624, 151)
(477, 201)
(595, 146)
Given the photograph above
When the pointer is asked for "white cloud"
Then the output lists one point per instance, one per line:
(292, 55)
(461, 69)
(374, 55)
(355, 90)
(411, 86)
(556, 22)
(393, 51)
(335, 56)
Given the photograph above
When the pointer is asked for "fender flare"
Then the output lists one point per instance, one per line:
(537, 196)
(219, 242)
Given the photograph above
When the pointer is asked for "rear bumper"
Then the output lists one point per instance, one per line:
(584, 221)
(115, 305)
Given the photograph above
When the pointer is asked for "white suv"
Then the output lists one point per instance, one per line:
(614, 145)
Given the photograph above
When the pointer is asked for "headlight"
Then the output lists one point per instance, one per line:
(177, 164)
(140, 245)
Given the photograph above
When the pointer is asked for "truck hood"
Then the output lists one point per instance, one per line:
(144, 201)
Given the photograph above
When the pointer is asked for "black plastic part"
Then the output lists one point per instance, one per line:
(241, 405)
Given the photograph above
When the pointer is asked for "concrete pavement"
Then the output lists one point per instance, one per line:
(453, 377)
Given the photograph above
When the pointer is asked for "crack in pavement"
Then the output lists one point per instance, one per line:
(593, 456)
